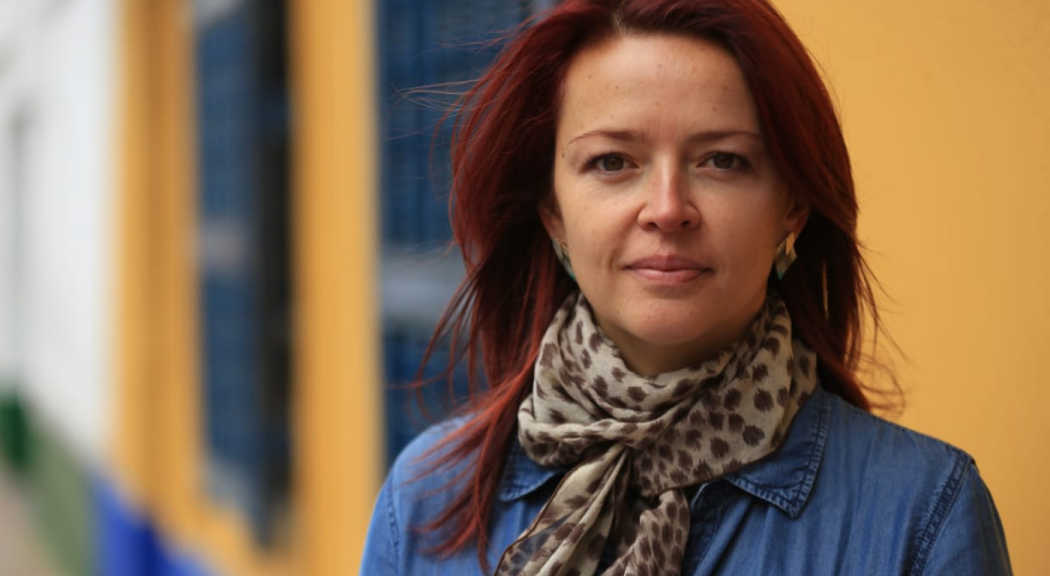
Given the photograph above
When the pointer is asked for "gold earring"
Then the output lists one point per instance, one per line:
(785, 255)
(562, 251)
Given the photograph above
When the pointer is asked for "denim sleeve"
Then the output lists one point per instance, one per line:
(382, 546)
(970, 540)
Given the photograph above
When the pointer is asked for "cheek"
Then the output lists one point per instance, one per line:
(751, 238)
(587, 241)
(587, 223)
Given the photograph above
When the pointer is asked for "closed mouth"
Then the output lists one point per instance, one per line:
(668, 269)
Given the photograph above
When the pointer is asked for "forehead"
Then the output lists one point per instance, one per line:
(657, 82)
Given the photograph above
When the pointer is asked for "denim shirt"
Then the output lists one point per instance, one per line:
(847, 493)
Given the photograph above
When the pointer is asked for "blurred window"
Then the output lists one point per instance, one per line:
(244, 237)
(429, 50)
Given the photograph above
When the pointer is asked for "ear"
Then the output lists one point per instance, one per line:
(796, 216)
(551, 217)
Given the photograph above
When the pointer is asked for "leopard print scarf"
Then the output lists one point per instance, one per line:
(636, 441)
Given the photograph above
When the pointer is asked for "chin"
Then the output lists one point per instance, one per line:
(674, 334)
(678, 327)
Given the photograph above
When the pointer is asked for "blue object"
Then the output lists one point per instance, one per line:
(129, 545)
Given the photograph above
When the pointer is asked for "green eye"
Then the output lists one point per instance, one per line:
(610, 163)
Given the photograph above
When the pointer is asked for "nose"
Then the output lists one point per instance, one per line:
(668, 206)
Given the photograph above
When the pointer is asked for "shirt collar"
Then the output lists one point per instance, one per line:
(522, 475)
(784, 478)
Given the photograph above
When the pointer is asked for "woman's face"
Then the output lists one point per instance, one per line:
(666, 198)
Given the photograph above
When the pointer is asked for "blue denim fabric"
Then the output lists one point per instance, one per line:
(848, 493)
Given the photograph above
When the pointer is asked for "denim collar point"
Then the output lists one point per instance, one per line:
(523, 476)
(785, 479)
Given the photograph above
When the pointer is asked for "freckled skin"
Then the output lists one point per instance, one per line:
(659, 153)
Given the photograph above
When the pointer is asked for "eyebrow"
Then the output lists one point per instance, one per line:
(631, 135)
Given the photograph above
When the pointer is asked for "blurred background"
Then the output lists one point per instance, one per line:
(224, 243)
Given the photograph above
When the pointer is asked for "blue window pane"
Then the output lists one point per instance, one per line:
(244, 248)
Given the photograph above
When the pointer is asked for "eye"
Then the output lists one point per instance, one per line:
(726, 161)
(609, 163)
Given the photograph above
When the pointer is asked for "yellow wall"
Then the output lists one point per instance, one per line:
(945, 106)
(337, 409)
(131, 295)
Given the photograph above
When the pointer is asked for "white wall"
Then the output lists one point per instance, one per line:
(11, 82)
(57, 71)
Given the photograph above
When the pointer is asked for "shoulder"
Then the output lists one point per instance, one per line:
(886, 462)
(888, 449)
(419, 466)
(927, 487)
(422, 483)
(426, 446)
(413, 495)
(417, 490)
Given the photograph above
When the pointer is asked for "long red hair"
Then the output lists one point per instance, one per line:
(502, 159)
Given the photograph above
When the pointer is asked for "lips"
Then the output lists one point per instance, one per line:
(668, 269)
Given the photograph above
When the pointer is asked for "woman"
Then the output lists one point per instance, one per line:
(665, 290)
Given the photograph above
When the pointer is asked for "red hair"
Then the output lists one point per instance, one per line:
(502, 160)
